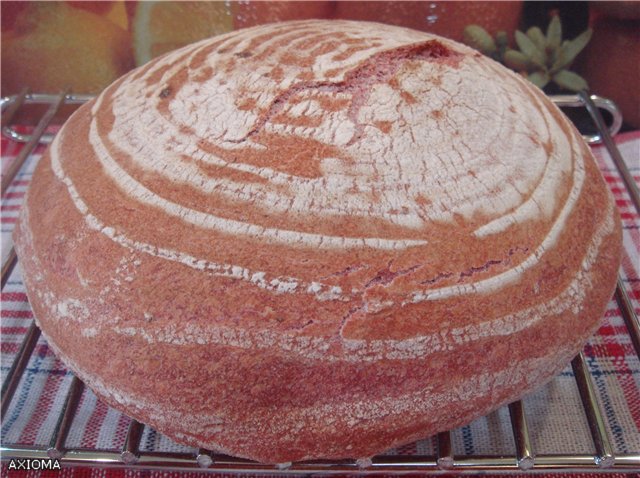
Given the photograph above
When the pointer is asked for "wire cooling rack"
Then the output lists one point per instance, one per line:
(443, 456)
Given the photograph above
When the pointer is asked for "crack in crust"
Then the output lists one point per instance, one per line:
(378, 68)
(462, 275)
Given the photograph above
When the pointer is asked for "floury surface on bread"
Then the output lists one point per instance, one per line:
(318, 239)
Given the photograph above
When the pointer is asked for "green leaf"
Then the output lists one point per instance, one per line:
(570, 50)
(554, 33)
(501, 39)
(529, 48)
(537, 37)
(539, 78)
(516, 60)
(579, 42)
(502, 43)
(552, 55)
(477, 37)
(570, 80)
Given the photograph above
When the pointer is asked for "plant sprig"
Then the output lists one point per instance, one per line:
(540, 57)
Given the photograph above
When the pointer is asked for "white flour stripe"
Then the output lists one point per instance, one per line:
(277, 284)
(216, 114)
(283, 285)
(395, 171)
(164, 159)
(568, 300)
(131, 187)
(546, 189)
(323, 292)
(357, 409)
(508, 277)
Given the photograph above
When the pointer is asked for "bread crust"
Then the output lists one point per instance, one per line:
(317, 239)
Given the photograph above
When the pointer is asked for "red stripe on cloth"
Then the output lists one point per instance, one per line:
(11, 207)
(618, 191)
(45, 403)
(612, 331)
(92, 430)
(13, 330)
(122, 429)
(16, 314)
(612, 313)
(605, 350)
(624, 203)
(13, 347)
(628, 216)
(632, 288)
(10, 150)
(631, 393)
(9, 348)
(611, 178)
(619, 355)
(609, 353)
(20, 182)
(14, 297)
(8, 220)
(610, 175)
(14, 195)
(630, 269)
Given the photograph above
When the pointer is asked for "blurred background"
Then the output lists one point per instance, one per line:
(85, 45)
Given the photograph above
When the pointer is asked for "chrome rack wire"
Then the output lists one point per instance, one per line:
(524, 457)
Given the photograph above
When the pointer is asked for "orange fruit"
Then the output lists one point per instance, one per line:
(159, 27)
(115, 11)
(250, 13)
(52, 46)
(97, 7)
(447, 19)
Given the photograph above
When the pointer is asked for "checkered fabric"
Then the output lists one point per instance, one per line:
(555, 414)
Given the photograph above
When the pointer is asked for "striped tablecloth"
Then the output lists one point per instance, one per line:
(556, 417)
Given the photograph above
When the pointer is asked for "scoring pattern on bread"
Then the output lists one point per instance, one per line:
(364, 170)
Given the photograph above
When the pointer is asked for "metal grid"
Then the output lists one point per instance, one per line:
(523, 458)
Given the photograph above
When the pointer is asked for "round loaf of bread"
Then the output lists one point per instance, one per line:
(317, 239)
